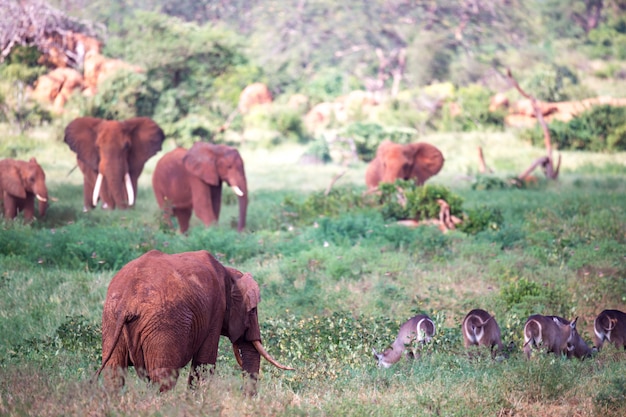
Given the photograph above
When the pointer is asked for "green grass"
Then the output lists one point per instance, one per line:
(332, 289)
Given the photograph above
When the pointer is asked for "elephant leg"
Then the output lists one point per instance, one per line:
(165, 378)
(216, 200)
(28, 207)
(183, 215)
(206, 356)
(10, 207)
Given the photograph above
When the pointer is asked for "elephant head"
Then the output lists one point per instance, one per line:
(208, 166)
(21, 182)
(111, 154)
(417, 161)
(242, 324)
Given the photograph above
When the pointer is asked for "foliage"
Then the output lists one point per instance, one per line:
(524, 297)
(608, 40)
(14, 105)
(550, 82)
(609, 401)
(405, 200)
(286, 122)
(367, 136)
(474, 102)
(480, 219)
(599, 129)
(74, 336)
(184, 64)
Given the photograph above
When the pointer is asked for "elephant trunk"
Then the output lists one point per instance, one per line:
(251, 363)
(243, 209)
(41, 195)
(112, 185)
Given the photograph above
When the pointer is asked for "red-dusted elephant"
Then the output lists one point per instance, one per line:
(111, 154)
(162, 311)
(417, 161)
(21, 183)
(191, 180)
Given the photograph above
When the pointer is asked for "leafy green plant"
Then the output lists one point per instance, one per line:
(481, 218)
(403, 199)
(610, 400)
(599, 129)
(367, 136)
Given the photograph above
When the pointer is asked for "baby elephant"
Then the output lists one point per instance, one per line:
(610, 325)
(549, 332)
(419, 328)
(481, 329)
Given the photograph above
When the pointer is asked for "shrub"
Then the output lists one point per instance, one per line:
(475, 114)
(416, 202)
(481, 218)
(367, 137)
(610, 400)
(598, 129)
(549, 82)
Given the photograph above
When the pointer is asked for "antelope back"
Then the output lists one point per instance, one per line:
(420, 328)
(549, 332)
(610, 325)
(481, 328)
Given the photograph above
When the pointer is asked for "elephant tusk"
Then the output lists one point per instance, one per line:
(259, 347)
(237, 191)
(237, 355)
(96, 190)
(40, 198)
(129, 189)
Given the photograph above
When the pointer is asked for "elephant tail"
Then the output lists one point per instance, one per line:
(119, 326)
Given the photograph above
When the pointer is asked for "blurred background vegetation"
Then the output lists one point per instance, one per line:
(337, 275)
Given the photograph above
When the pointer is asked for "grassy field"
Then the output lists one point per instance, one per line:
(333, 288)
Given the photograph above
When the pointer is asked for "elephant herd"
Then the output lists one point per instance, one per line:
(553, 334)
(111, 155)
(163, 311)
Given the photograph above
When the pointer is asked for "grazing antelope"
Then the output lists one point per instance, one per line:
(481, 329)
(610, 325)
(419, 328)
(548, 332)
(576, 347)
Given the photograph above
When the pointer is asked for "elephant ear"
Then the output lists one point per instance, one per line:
(245, 297)
(146, 140)
(428, 161)
(81, 136)
(200, 161)
(12, 182)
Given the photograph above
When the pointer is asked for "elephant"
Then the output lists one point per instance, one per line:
(186, 180)
(418, 161)
(111, 154)
(21, 182)
(164, 310)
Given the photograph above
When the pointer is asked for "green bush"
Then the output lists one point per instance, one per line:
(522, 297)
(367, 137)
(598, 129)
(416, 202)
(610, 400)
(475, 114)
(550, 82)
(480, 219)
